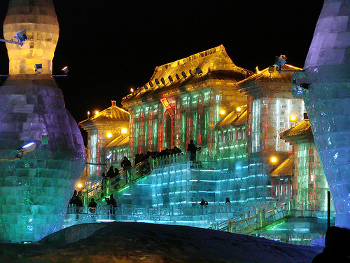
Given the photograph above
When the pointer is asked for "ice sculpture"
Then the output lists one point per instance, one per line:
(35, 187)
(326, 89)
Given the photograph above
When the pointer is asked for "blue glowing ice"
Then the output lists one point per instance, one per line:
(327, 102)
(37, 180)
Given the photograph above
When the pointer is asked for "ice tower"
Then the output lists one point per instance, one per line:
(326, 91)
(35, 188)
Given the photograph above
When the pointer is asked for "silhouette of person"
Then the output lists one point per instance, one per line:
(227, 200)
(193, 149)
(73, 199)
(112, 203)
(126, 164)
(337, 246)
(92, 205)
(110, 172)
(203, 202)
(78, 202)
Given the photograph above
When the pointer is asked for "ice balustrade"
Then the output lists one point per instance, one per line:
(142, 169)
(265, 215)
(199, 216)
(252, 220)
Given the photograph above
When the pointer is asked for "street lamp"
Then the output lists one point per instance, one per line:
(222, 112)
(293, 118)
(273, 161)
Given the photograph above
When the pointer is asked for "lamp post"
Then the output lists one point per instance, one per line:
(273, 161)
(293, 119)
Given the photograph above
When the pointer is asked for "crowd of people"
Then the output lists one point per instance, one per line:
(166, 152)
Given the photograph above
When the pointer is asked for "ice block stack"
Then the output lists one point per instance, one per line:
(328, 100)
(35, 189)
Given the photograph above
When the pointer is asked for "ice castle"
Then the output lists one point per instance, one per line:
(42, 152)
(255, 140)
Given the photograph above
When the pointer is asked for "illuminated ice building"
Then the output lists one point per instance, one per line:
(256, 149)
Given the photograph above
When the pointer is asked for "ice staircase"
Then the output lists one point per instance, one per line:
(99, 190)
(263, 216)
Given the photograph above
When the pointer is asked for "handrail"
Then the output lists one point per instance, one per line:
(261, 218)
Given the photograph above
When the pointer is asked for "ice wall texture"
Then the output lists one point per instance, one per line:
(327, 103)
(34, 191)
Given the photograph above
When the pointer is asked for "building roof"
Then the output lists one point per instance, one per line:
(213, 63)
(112, 114)
(234, 119)
(120, 140)
(285, 168)
(300, 132)
(270, 75)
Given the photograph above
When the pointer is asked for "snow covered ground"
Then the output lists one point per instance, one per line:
(142, 242)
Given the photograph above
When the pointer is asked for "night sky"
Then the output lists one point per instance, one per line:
(111, 46)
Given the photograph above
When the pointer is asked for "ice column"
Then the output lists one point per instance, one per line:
(34, 190)
(328, 100)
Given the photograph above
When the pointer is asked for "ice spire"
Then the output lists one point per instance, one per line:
(328, 98)
(35, 187)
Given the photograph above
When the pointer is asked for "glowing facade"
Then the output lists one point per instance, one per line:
(183, 102)
(105, 130)
(35, 188)
(309, 182)
(235, 116)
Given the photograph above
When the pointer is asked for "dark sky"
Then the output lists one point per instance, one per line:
(112, 45)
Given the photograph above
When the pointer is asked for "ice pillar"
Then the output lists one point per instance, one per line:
(35, 189)
(328, 100)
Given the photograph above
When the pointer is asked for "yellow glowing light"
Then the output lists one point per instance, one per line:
(165, 103)
(293, 118)
(109, 134)
(97, 112)
(273, 159)
(124, 130)
(238, 109)
(131, 90)
(79, 185)
(222, 112)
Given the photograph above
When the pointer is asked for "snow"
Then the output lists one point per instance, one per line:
(143, 242)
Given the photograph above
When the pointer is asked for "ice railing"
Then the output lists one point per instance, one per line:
(100, 189)
(142, 169)
(148, 213)
(265, 215)
(256, 218)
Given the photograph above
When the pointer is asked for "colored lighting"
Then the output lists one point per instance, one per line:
(222, 112)
(27, 145)
(80, 185)
(165, 103)
(97, 112)
(293, 118)
(273, 159)
(124, 130)
(109, 134)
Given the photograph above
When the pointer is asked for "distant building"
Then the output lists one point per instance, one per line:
(104, 128)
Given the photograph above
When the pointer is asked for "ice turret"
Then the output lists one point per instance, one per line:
(35, 185)
(327, 100)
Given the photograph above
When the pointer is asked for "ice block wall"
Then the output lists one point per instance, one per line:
(328, 100)
(34, 190)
